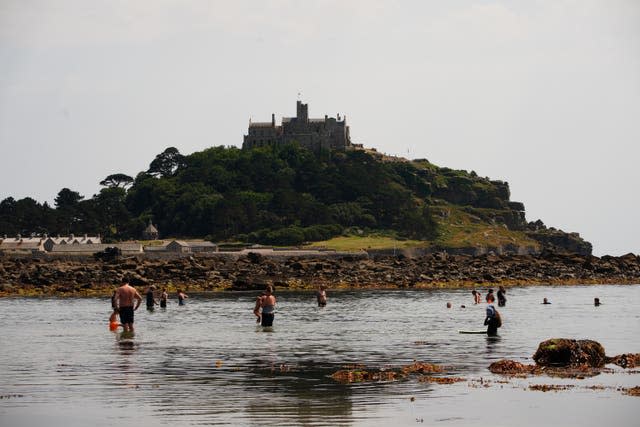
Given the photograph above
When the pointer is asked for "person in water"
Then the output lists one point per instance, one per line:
(476, 296)
(490, 294)
(151, 299)
(113, 320)
(545, 301)
(492, 321)
(257, 306)
(163, 298)
(181, 297)
(596, 302)
(268, 306)
(126, 296)
(321, 296)
(502, 300)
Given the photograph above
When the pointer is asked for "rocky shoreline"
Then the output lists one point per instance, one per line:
(29, 276)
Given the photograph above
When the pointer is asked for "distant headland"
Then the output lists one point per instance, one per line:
(300, 183)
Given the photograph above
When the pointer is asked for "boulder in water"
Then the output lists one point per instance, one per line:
(570, 352)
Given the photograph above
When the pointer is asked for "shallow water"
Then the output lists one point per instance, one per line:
(206, 363)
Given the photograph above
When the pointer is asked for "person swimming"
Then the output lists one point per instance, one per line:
(596, 302)
(545, 301)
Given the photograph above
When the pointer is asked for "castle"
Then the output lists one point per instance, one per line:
(314, 134)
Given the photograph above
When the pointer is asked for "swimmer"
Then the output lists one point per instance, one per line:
(545, 301)
(321, 296)
(448, 305)
(596, 302)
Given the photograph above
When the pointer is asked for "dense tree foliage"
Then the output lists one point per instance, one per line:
(117, 180)
(275, 195)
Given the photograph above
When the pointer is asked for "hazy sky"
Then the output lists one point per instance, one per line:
(542, 94)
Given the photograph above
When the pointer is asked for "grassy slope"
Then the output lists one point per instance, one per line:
(456, 229)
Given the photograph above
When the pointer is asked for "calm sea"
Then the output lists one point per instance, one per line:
(206, 363)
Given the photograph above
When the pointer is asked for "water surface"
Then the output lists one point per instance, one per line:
(207, 363)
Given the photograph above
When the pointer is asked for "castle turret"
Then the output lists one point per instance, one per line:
(302, 112)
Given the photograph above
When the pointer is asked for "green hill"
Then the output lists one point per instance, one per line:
(287, 195)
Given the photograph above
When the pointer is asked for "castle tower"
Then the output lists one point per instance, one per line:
(302, 112)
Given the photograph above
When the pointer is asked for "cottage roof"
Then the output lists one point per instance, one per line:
(72, 239)
(150, 229)
(23, 239)
(26, 244)
(125, 247)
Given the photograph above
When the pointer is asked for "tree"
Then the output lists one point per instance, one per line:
(67, 199)
(111, 209)
(68, 210)
(166, 163)
(117, 180)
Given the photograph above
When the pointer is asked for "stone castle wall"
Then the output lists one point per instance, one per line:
(313, 134)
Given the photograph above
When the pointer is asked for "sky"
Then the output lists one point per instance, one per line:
(542, 94)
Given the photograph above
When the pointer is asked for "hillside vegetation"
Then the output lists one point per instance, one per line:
(287, 195)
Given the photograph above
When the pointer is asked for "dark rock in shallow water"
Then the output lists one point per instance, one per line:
(628, 360)
(569, 352)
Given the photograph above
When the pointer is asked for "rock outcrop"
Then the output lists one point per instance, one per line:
(567, 358)
(569, 352)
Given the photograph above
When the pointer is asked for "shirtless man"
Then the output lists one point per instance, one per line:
(125, 296)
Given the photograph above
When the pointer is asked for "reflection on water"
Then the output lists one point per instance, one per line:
(207, 363)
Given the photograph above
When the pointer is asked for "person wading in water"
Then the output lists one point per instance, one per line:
(268, 306)
(125, 297)
(493, 320)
